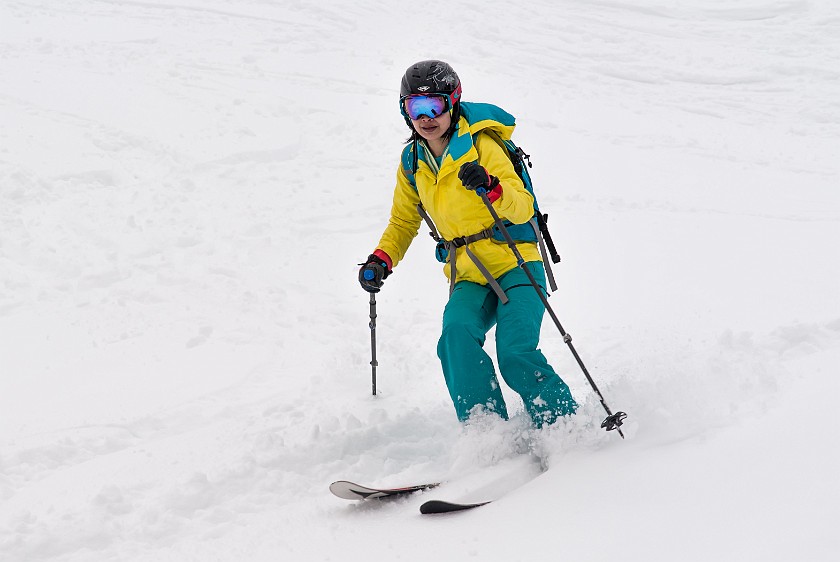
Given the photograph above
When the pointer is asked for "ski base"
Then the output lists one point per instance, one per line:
(352, 491)
(433, 507)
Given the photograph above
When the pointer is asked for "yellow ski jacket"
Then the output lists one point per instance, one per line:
(455, 210)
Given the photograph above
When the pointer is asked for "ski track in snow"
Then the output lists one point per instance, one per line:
(186, 189)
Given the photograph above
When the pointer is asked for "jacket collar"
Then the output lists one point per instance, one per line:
(475, 117)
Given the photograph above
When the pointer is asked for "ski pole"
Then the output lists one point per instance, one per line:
(373, 362)
(613, 421)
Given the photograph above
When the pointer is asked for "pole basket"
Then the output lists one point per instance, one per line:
(614, 421)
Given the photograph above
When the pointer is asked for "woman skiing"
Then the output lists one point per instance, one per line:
(453, 151)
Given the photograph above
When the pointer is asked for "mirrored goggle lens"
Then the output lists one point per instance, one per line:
(431, 106)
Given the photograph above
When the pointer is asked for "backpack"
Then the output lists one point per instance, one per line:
(536, 230)
(525, 232)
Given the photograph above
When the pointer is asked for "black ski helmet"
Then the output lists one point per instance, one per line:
(429, 77)
(432, 77)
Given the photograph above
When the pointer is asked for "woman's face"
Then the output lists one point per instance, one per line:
(432, 129)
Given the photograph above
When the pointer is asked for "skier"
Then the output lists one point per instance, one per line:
(450, 154)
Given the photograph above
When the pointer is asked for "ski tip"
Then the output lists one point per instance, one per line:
(349, 490)
(352, 491)
(433, 507)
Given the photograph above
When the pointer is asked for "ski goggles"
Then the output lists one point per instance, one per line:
(415, 106)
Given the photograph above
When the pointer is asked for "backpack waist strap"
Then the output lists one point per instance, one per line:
(464, 242)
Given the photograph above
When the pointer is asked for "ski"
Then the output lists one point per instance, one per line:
(352, 491)
(493, 482)
(433, 507)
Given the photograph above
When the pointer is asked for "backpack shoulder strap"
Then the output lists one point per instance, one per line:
(521, 161)
(409, 163)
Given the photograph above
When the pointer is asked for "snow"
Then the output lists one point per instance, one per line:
(186, 189)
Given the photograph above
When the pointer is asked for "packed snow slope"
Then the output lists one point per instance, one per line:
(186, 189)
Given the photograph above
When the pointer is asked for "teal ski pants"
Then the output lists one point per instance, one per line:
(471, 312)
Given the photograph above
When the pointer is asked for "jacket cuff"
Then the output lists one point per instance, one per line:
(494, 194)
(384, 257)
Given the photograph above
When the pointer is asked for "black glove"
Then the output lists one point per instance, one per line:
(373, 273)
(474, 176)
